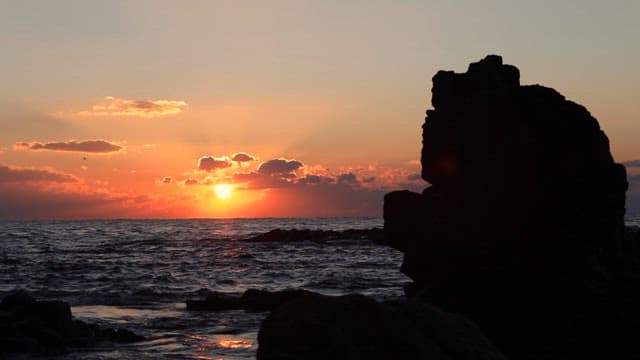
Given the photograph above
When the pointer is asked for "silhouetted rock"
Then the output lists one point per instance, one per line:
(250, 300)
(261, 300)
(357, 327)
(216, 301)
(294, 235)
(522, 227)
(47, 327)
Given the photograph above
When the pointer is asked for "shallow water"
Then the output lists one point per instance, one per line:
(138, 274)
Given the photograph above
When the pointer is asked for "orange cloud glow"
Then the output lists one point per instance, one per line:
(113, 106)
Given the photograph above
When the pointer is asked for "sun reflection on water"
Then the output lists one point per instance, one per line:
(235, 344)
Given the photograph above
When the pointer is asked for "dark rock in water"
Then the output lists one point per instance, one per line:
(294, 235)
(357, 327)
(522, 227)
(47, 327)
(216, 301)
(251, 300)
(261, 300)
(16, 299)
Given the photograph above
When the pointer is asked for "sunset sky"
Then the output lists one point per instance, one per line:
(118, 109)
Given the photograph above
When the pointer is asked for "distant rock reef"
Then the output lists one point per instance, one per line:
(522, 229)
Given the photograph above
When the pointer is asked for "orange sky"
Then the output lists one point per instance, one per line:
(107, 109)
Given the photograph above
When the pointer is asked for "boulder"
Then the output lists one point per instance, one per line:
(522, 227)
(354, 327)
(47, 327)
(250, 300)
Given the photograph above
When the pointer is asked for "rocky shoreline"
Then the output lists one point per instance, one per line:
(48, 328)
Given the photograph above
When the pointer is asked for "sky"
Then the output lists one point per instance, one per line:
(184, 109)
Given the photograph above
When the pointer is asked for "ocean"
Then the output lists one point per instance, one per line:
(137, 274)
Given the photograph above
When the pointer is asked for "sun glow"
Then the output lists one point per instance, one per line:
(223, 191)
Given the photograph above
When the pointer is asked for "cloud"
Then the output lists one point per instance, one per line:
(85, 146)
(167, 180)
(211, 163)
(113, 106)
(314, 180)
(12, 174)
(414, 177)
(242, 157)
(347, 179)
(279, 166)
(255, 180)
(191, 181)
(632, 163)
(35, 200)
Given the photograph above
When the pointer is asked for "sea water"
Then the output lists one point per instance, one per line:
(137, 274)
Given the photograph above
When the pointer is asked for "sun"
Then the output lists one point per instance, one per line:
(223, 191)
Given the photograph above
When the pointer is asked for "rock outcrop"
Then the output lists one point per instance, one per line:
(522, 227)
(47, 327)
(321, 236)
(356, 327)
(250, 300)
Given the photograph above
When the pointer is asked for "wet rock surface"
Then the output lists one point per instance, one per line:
(314, 326)
(522, 227)
(250, 300)
(47, 327)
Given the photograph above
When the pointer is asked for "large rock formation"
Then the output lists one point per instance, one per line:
(522, 227)
(356, 327)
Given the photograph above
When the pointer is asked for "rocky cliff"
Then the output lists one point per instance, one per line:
(522, 227)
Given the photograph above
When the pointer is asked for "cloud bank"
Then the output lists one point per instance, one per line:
(13, 174)
(113, 106)
(632, 163)
(86, 146)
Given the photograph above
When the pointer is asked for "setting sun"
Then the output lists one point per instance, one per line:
(223, 191)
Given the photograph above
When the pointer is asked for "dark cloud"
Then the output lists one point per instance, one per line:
(191, 181)
(368, 179)
(324, 200)
(314, 180)
(85, 146)
(279, 166)
(32, 201)
(211, 163)
(167, 180)
(242, 157)
(348, 179)
(632, 163)
(414, 177)
(21, 175)
(256, 180)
